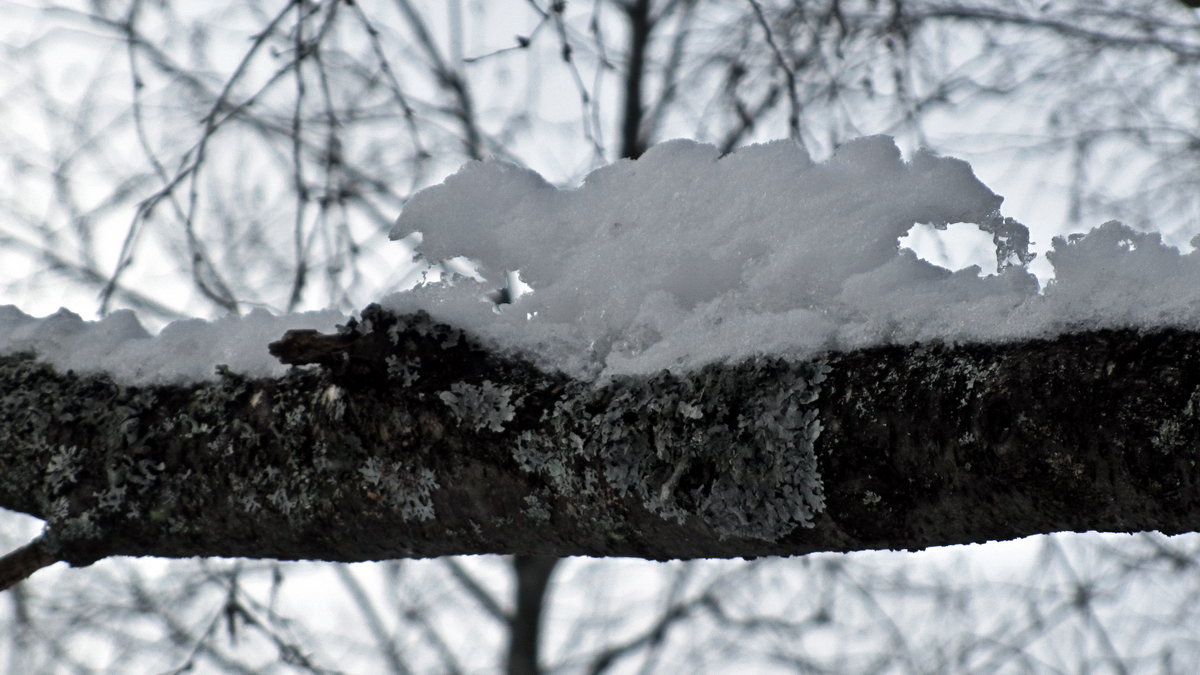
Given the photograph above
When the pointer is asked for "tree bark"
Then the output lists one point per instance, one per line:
(409, 439)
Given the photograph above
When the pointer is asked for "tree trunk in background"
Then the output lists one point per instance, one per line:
(633, 144)
(532, 575)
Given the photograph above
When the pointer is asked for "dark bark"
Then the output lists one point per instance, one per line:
(19, 564)
(410, 441)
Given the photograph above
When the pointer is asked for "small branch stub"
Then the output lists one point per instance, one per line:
(23, 562)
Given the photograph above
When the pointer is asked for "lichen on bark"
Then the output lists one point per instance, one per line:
(403, 437)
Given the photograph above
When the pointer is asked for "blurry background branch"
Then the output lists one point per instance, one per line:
(189, 159)
(248, 156)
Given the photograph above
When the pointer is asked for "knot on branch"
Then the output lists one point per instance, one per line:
(382, 346)
(305, 346)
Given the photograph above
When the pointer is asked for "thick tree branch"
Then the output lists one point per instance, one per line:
(411, 440)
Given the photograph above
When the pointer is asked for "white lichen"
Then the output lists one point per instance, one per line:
(333, 399)
(486, 406)
(63, 467)
(732, 445)
(401, 487)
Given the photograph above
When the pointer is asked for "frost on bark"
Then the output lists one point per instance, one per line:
(405, 438)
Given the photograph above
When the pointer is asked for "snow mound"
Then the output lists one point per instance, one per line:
(685, 257)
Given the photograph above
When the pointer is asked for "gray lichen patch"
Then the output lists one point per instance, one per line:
(730, 445)
(77, 445)
(485, 406)
(105, 463)
(402, 487)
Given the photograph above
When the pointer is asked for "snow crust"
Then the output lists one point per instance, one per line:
(684, 257)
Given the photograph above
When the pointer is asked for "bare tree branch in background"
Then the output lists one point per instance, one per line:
(195, 158)
(330, 114)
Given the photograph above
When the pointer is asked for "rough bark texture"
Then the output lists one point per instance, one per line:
(409, 440)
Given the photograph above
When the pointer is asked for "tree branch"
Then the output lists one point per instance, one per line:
(533, 577)
(641, 24)
(21, 563)
(410, 439)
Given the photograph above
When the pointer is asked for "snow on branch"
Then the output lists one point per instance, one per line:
(720, 356)
(412, 440)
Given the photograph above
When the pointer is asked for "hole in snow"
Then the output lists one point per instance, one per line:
(958, 246)
(512, 289)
